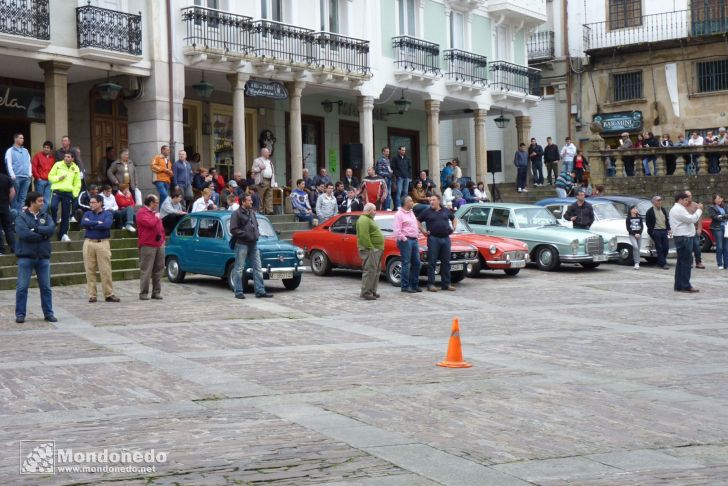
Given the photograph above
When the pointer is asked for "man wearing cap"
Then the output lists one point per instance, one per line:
(625, 143)
(658, 227)
(683, 223)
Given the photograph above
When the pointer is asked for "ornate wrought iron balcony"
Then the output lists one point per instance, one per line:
(25, 18)
(347, 54)
(541, 46)
(283, 42)
(466, 67)
(210, 29)
(414, 54)
(110, 30)
(509, 77)
(703, 19)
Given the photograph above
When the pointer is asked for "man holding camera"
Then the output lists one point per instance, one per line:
(150, 234)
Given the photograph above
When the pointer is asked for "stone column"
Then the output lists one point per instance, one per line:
(295, 90)
(481, 154)
(56, 100)
(237, 84)
(432, 111)
(366, 130)
(523, 133)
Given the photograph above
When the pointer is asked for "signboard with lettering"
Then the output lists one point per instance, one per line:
(624, 121)
(19, 102)
(259, 89)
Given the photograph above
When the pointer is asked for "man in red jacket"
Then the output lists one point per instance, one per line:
(42, 164)
(151, 248)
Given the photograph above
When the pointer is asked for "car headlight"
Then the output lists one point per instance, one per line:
(508, 257)
(493, 249)
(525, 246)
(574, 245)
(299, 254)
(613, 243)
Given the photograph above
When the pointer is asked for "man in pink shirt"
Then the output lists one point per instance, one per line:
(406, 232)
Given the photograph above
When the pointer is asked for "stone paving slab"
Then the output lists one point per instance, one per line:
(48, 347)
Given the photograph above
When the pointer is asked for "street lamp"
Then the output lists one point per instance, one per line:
(203, 89)
(402, 104)
(501, 121)
(109, 90)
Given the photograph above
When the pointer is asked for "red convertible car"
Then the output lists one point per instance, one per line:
(332, 244)
(494, 252)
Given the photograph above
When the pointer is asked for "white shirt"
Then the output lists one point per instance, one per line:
(447, 198)
(568, 152)
(682, 222)
(200, 205)
(695, 141)
(110, 203)
(233, 207)
(482, 194)
(267, 172)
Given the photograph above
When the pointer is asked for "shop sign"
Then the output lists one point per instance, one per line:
(273, 90)
(623, 121)
(18, 102)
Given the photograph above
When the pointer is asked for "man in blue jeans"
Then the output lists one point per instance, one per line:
(244, 230)
(17, 161)
(402, 169)
(439, 223)
(682, 223)
(407, 234)
(658, 227)
(33, 248)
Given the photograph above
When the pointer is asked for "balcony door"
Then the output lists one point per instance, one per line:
(457, 30)
(502, 45)
(330, 18)
(709, 16)
(116, 5)
(407, 17)
(409, 139)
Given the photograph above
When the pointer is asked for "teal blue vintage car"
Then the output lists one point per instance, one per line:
(549, 243)
(200, 244)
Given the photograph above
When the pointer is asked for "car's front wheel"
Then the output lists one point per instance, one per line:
(547, 259)
(590, 264)
(512, 271)
(625, 254)
(473, 269)
(394, 272)
(458, 276)
(174, 271)
(292, 283)
(320, 263)
(705, 243)
(230, 275)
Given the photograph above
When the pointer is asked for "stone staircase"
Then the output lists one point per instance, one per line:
(67, 258)
(509, 193)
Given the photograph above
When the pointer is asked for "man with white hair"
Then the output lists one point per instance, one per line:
(264, 175)
(370, 242)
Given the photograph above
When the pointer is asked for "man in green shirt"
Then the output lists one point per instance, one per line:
(370, 242)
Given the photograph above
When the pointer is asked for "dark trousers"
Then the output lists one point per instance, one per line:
(671, 164)
(438, 249)
(684, 247)
(410, 252)
(6, 223)
(65, 199)
(579, 175)
(552, 168)
(629, 166)
(697, 249)
(662, 245)
(537, 171)
(521, 177)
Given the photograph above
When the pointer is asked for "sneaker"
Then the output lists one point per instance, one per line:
(636, 266)
(520, 190)
(130, 228)
(73, 219)
(525, 190)
(65, 238)
(720, 268)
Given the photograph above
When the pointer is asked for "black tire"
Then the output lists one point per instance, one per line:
(651, 260)
(292, 283)
(590, 264)
(175, 274)
(512, 272)
(547, 259)
(458, 276)
(394, 271)
(230, 276)
(473, 269)
(320, 263)
(705, 243)
(625, 254)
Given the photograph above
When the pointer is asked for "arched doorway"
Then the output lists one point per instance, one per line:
(109, 128)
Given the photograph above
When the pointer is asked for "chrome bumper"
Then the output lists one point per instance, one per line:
(587, 258)
(270, 270)
(507, 263)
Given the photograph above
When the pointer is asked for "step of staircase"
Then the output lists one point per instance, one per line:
(62, 268)
(509, 193)
(76, 278)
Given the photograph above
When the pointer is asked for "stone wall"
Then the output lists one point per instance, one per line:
(702, 186)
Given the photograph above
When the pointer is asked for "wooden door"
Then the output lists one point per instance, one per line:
(410, 139)
(109, 128)
(348, 133)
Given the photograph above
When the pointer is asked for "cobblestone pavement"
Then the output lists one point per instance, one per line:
(579, 377)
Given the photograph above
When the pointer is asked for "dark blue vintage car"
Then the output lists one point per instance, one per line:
(200, 244)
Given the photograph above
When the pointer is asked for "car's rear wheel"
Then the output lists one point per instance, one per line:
(174, 271)
(590, 264)
(458, 276)
(394, 271)
(292, 283)
(625, 254)
(705, 243)
(512, 271)
(320, 263)
(547, 258)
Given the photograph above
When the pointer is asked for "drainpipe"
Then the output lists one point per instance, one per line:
(565, 16)
(170, 67)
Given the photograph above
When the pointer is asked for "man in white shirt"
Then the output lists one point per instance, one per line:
(682, 224)
(326, 204)
(568, 152)
(264, 176)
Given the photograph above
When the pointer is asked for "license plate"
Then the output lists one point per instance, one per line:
(281, 275)
(518, 264)
(600, 258)
(456, 268)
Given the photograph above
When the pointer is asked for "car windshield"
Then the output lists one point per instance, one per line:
(386, 223)
(606, 211)
(463, 227)
(534, 218)
(643, 206)
(266, 229)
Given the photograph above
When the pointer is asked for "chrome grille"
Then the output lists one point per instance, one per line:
(594, 245)
(515, 255)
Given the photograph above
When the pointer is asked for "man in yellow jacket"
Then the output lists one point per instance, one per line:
(65, 179)
(162, 173)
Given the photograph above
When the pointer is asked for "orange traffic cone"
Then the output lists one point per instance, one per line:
(454, 358)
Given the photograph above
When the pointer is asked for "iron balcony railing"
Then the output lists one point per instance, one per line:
(336, 51)
(212, 29)
(26, 18)
(506, 76)
(541, 46)
(700, 20)
(414, 54)
(109, 29)
(466, 67)
(279, 41)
